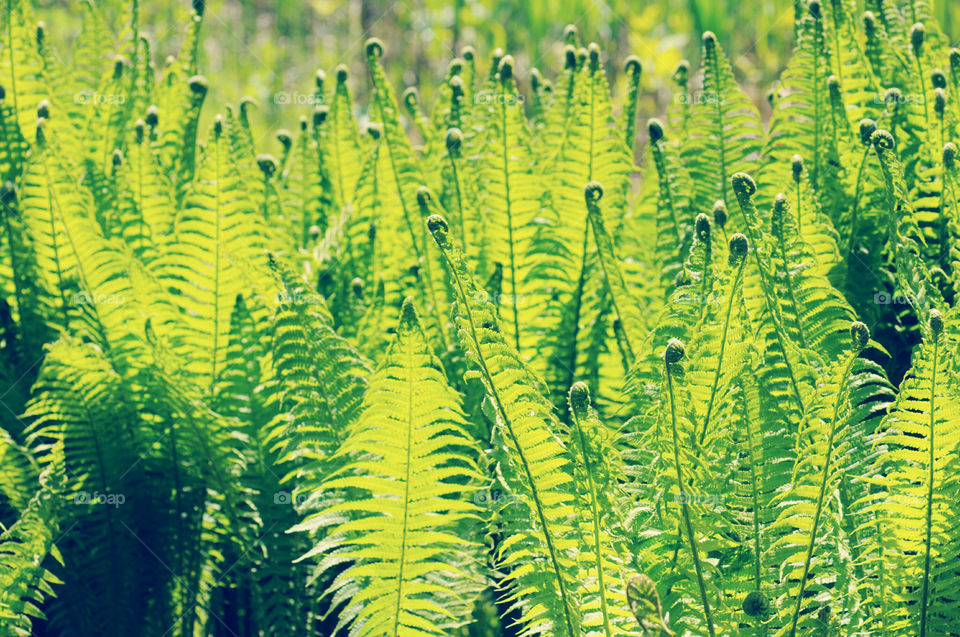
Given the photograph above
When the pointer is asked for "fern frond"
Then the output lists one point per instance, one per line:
(320, 375)
(215, 255)
(604, 557)
(538, 554)
(410, 467)
(807, 511)
(915, 508)
(402, 170)
(674, 222)
(510, 200)
(21, 67)
(724, 134)
(26, 550)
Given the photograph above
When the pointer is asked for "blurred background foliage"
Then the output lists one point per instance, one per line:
(264, 48)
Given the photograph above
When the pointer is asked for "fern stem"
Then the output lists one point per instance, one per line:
(16, 277)
(817, 49)
(143, 229)
(575, 315)
(595, 510)
(337, 152)
(799, 215)
(406, 489)
(688, 525)
(721, 140)
(662, 172)
(630, 107)
(949, 184)
(754, 488)
(723, 344)
(767, 294)
(378, 100)
(304, 194)
(836, 7)
(505, 419)
(930, 478)
(216, 270)
(506, 185)
(882, 576)
(581, 279)
(459, 210)
(423, 203)
(375, 238)
(51, 198)
(923, 94)
(789, 281)
(856, 200)
(705, 279)
(823, 489)
(611, 273)
(13, 66)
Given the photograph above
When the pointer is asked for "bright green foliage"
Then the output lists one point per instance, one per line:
(724, 133)
(718, 397)
(406, 486)
(532, 463)
(922, 433)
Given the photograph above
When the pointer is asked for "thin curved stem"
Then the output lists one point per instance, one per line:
(924, 597)
(822, 493)
(723, 346)
(688, 525)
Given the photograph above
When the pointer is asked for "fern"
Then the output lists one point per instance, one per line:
(724, 130)
(407, 455)
(533, 462)
(626, 406)
(23, 549)
(919, 443)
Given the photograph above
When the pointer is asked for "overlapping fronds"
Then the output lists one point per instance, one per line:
(532, 463)
(398, 505)
(625, 405)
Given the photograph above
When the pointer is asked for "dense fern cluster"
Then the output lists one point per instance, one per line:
(497, 380)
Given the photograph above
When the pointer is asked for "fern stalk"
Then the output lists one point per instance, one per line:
(439, 228)
(779, 211)
(861, 337)
(739, 247)
(671, 356)
(745, 187)
(579, 403)
(506, 73)
(936, 324)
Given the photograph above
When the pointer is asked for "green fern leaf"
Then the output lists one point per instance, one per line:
(411, 469)
(538, 554)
